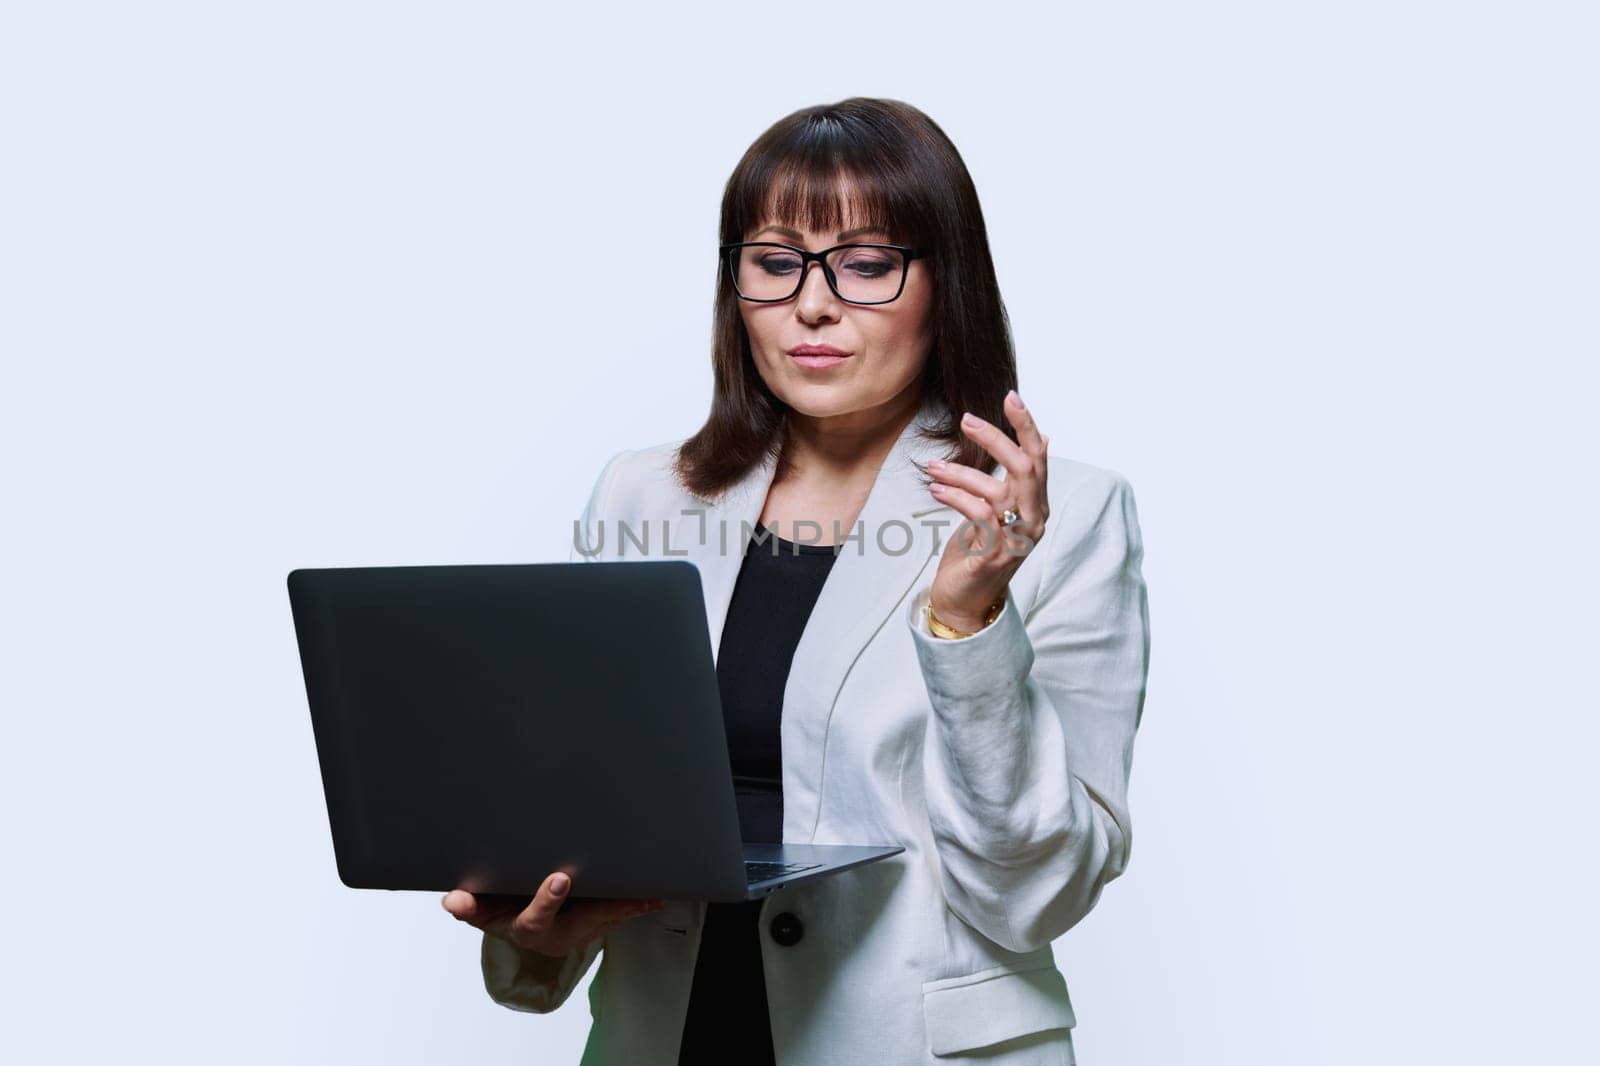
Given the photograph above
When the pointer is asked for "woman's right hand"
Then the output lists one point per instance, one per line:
(535, 924)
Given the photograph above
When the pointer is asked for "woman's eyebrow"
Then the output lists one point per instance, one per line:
(785, 231)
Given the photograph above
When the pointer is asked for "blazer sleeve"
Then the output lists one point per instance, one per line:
(515, 976)
(1030, 742)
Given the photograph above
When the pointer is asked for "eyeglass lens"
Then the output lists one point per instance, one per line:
(866, 275)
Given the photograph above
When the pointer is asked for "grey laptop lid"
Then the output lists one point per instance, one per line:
(481, 726)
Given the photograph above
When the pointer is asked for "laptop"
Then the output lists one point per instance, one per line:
(483, 726)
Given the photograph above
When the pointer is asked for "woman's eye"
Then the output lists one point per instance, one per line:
(868, 268)
(779, 264)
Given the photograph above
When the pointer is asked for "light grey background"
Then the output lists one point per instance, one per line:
(300, 284)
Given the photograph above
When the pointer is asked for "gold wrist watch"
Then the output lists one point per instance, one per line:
(949, 633)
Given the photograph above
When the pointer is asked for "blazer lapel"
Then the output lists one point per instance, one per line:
(730, 521)
(868, 581)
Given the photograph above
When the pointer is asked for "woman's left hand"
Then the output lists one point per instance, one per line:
(982, 555)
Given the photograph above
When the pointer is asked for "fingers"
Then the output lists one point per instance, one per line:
(982, 503)
(1036, 445)
(1028, 436)
(1026, 462)
(971, 506)
(541, 923)
(599, 917)
(515, 918)
(459, 903)
(1018, 463)
(534, 922)
(968, 483)
(545, 926)
(492, 914)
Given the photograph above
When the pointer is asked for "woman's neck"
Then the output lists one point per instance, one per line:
(833, 463)
(848, 447)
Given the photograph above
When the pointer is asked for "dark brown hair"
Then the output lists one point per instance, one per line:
(904, 175)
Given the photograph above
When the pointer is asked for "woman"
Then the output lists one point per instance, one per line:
(953, 626)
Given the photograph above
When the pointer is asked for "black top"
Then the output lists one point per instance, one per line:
(778, 584)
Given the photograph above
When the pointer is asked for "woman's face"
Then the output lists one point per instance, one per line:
(886, 344)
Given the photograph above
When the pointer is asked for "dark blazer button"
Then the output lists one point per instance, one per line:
(787, 930)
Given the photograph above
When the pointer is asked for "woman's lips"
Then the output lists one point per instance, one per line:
(818, 356)
(819, 361)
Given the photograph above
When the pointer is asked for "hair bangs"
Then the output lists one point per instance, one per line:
(822, 186)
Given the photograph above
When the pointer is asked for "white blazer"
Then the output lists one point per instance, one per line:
(999, 761)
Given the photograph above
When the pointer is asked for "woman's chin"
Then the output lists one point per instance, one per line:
(825, 402)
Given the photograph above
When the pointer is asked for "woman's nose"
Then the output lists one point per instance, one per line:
(815, 298)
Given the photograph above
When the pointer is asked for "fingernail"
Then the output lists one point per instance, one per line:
(969, 419)
(936, 487)
(1015, 395)
(559, 885)
(935, 464)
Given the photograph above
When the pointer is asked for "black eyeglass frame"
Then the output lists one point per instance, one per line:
(807, 258)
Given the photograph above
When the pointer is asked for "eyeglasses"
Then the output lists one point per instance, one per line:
(766, 272)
